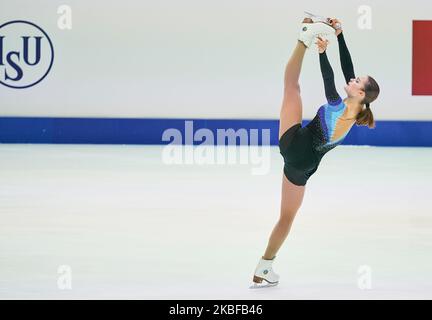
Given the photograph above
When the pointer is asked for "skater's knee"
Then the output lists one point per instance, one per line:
(292, 88)
(287, 216)
(286, 220)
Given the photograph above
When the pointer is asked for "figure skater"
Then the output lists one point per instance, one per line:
(302, 148)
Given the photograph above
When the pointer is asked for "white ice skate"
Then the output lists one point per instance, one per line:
(309, 31)
(264, 271)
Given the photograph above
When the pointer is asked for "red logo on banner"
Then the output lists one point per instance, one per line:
(422, 58)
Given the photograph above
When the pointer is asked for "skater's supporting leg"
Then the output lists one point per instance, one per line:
(292, 198)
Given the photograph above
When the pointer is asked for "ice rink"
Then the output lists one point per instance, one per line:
(117, 222)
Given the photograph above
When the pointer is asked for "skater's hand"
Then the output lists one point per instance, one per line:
(322, 44)
(336, 24)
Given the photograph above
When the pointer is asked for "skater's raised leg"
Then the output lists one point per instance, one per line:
(291, 111)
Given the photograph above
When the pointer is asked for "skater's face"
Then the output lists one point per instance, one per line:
(356, 87)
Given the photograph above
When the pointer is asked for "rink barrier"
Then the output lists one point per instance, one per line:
(150, 131)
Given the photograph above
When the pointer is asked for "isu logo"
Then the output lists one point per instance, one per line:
(26, 54)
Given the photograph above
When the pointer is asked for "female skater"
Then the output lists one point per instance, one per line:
(303, 147)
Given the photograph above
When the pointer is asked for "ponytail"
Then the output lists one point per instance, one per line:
(366, 118)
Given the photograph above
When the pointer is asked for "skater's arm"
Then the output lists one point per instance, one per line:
(344, 54)
(345, 59)
(328, 77)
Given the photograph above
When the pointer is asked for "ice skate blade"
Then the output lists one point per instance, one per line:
(261, 285)
(316, 18)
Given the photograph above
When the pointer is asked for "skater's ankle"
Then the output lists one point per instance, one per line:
(268, 257)
(302, 43)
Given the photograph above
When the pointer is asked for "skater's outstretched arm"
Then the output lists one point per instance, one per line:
(331, 93)
(345, 56)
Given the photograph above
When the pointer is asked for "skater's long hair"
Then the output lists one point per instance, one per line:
(365, 117)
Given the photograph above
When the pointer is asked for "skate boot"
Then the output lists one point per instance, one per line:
(264, 271)
(310, 31)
